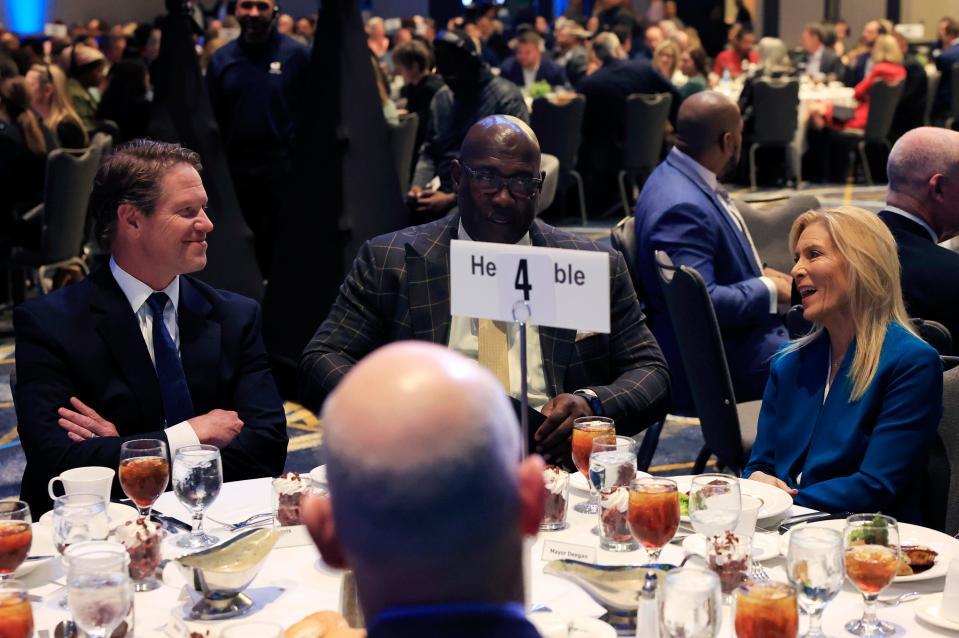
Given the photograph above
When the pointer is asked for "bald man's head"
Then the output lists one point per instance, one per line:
(709, 129)
(497, 179)
(923, 171)
(428, 495)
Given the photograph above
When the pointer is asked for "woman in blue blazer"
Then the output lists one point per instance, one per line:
(850, 409)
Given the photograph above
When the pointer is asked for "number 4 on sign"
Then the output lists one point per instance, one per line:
(522, 279)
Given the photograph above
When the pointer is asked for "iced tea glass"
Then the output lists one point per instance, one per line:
(585, 429)
(766, 609)
(872, 559)
(814, 564)
(16, 536)
(16, 615)
(144, 472)
(653, 513)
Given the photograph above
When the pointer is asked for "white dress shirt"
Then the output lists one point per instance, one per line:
(137, 293)
(464, 339)
(529, 76)
(915, 218)
(814, 62)
(709, 179)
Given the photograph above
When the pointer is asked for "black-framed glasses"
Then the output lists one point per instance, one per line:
(489, 182)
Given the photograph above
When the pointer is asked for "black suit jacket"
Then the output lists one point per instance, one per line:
(930, 273)
(548, 70)
(399, 289)
(458, 625)
(85, 341)
(830, 63)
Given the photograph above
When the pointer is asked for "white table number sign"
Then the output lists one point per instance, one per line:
(564, 288)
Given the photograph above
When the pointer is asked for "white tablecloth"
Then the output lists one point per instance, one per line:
(294, 582)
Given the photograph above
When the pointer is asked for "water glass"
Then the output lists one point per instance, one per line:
(16, 614)
(766, 609)
(814, 564)
(690, 604)
(98, 589)
(16, 536)
(612, 461)
(653, 513)
(872, 559)
(144, 472)
(614, 532)
(556, 486)
(197, 479)
(585, 429)
(714, 503)
(748, 515)
(78, 518)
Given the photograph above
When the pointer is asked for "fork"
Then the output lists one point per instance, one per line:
(758, 573)
(247, 522)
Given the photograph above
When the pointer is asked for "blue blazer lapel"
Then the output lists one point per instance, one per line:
(120, 332)
(556, 343)
(199, 345)
(428, 284)
(806, 401)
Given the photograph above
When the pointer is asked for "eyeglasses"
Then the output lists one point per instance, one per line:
(524, 187)
(247, 5)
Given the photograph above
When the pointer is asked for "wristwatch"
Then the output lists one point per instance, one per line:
(593, 399)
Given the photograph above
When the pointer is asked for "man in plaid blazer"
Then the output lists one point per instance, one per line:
(399, 288)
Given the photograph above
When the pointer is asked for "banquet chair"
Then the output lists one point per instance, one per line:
(559, 130)
(935, 334)
(623, 239)
(729, 429)
(932, 87)
(940, 485)
(953, 118)
(770, 227)
(402, 141)
(775, 119)
(646, 116)
(883, 100)
(63, 215)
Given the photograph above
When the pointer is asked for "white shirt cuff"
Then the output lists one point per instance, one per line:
(180, 435)
(773, 294)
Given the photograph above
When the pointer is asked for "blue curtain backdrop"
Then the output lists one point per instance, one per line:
(24, 16)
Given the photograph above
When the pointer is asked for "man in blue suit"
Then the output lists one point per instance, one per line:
(139, 349)
(529, 65)
(946, 60)
(685, 212)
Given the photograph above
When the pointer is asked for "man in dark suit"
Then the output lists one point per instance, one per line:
(860, 62)
(458, 476)
(399, 289)
(685, 212)
(820, 59)
(138, 349)
(922, 209)
(948, 58)
(604, 123)
(529, 65)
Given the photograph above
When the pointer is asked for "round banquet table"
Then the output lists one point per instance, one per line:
(294, 582)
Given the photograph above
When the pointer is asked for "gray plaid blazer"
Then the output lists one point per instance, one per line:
(399, 289)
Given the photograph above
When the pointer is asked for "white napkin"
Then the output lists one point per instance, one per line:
(950, 594)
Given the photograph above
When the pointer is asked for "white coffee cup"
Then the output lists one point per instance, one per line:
(85, 480)
(748, 516)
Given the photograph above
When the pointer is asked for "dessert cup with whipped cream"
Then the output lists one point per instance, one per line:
(288, 492)
(614, 532)
(556, 484)
(142, 539)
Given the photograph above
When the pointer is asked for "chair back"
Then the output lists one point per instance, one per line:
(645, 130)
(770, 227)
(559, 128)
(775, 110)
(941, 481)
(69, 180)
(402, 140)
(701, 348)
(883, 100)
(623, 239)
(935, 334)
(932, 88)
(954, 109)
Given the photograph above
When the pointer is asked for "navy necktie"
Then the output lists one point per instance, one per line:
(177, 405)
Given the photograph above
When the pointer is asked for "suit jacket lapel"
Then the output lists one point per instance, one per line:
(199, 345)
(428, 284)
(556, 343)
(119, 329)
(814, 360)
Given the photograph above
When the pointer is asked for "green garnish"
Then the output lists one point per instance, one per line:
(875, 533)
(683, 504)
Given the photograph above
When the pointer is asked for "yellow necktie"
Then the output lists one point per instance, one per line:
(493, 349)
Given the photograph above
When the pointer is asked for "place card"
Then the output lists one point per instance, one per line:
(556, 550)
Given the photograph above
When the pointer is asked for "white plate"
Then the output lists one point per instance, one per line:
(775, 501)
(946, 546)
(41, 545)
(551, 624)
(117, 513)
(765, 546)
(578, 482)
(929, 612)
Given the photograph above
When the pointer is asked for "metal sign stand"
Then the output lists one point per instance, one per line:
(521, 314)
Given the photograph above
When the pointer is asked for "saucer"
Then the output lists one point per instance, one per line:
(929, 612)
(116, 512)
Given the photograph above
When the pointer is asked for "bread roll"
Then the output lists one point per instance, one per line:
(322, 624)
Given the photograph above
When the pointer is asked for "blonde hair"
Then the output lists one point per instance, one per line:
(886, 49)
(773, 55)
(674, 48)
(61, 108)
(875, 294)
